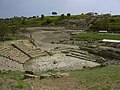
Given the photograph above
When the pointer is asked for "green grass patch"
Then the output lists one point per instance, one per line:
(16, 75)
(21, 85)
(18, 78)
(12, 37)
(103, 78)
(96, 36)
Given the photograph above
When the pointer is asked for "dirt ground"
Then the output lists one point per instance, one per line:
(44, 39)
(65, 83)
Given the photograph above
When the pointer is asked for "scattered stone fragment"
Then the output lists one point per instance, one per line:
(54, 75)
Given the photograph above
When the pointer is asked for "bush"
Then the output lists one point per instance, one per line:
(109, 24)
(42, 16)
(4, 31)
(68, 14)
(62, 16)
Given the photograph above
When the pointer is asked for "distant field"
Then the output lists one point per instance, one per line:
(96, 36)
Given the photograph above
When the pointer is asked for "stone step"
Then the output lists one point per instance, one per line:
(79, 51)
(9, 53)
(80, 57)
(79, 54)
(19, 56)
(14, 54)
(5, 51)
(28, 51)
(6, 64)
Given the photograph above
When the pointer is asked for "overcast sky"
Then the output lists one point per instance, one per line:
(10, 8)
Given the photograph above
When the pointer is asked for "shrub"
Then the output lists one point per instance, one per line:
(68, 14)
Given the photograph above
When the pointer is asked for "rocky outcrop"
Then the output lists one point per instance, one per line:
(54, 75)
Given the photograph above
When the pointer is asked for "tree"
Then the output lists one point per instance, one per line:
(54, 13)
(37, 16)
(62, 16)
(42, 16)
(34, 17)
(96, 14)
(82, 14)
(68, 14)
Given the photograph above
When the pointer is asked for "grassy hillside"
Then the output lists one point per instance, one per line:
(62, 20)
(11, 26)
(111, 24)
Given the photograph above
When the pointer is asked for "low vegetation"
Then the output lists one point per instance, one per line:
(10, 27)
(104, 78)
(110, 24)
(16, 78)
(16, 75)
(96, 36)
(101, 78)
(89, 22)
(9, 32)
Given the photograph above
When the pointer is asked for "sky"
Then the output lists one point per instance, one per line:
(10, 8)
